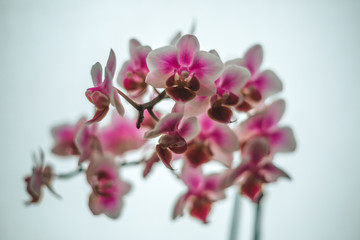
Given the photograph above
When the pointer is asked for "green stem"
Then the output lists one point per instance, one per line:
(257, 219)
(234, 230)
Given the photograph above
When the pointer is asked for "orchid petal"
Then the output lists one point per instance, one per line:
(282, 140)
(156, 79)
(192, 177)
(166, 124)
(111, 63)
(179, 206)
(206, 66)
(255, 150)
(234, 78)
(197, 106)
(133, 44)
(253, 58)
(268, 83)
(189, 128)
(273, 114)
(96, 74)
(164, 60)
(188, 45)
(271, 173)
(164, 155)
(206, 89)
(225, 138)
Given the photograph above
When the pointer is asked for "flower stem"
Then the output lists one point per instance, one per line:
(70, 174)
(257, 219)
(234, 230)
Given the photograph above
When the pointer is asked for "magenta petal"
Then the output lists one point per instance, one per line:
(273, 114)
(189, 128)
(188, 45)
(164, 60)
(192, 177)
(255, 150)
(111, 63)
(107, 86)
(206, 66)
(133, 44)
(141, 54)
(225, 138)
(234, 78)
(166, 124)
(150, 163)
(96, 74)
(99, 115)
(271, 173)
(268, 83)
(253, 58)
(282, 140)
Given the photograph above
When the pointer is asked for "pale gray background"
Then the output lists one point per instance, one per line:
(48, 47)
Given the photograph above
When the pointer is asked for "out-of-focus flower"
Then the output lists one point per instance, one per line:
(202, 192)
(215, 141)
(103, 93)
(175, 135)
(256, 168)
(261, 84)
(41, 176)
(120, 136)
(264, 124)
(184, 70)
(133, 73)
(64, 136)
(228, 93)
(87, 142)
(108, 189)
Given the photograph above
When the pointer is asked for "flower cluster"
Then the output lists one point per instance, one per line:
(206, 100)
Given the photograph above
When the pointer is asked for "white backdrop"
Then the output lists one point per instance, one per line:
(48, 47)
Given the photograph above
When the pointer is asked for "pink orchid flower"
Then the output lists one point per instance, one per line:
(264, 124)
(134, 71)
(202, 192)
(64, 136)
(183, 70)
(108, 189)
(103, 93)
(215, 141)
(175, 135)
(256, 169)
(149, 163)
(87, 142)
(120, 136)
(41, 176)
(262, 84)
(228, 86)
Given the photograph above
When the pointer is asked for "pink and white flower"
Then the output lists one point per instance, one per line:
(262, 84)
(256, 169)
(41, 176)
(108, 189)
(215, 141)
(87, 142)
(264, 124)
(175, 135)
(228, 88)
(103, 93)
(202, 192)
(134, 71)
(120, 136)
(183, 70)
(64, 136)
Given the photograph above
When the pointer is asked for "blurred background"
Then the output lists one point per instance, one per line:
(48, 47)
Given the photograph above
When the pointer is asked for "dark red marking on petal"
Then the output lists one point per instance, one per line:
(180, 94)
(252, 93)
(231, 99)
(220, 114)
(179, 149)
(201, 209)
(164, 155)
(171, 81)
(252, 188)
(197, 153)
(243, 107)
(194, 84)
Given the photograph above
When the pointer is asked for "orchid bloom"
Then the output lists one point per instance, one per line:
(256, 168)
(120, 136)
(183, 70)
(103, 93)
(40, 177)
(262, 84)
(215, 141)
(64, 136)
(202, 192)
(228, 87)
(175, 135)
(108, 189)
(264, 124)
(134, 71)
(87, 142)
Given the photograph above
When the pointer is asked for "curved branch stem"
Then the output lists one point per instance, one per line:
(257, 219)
